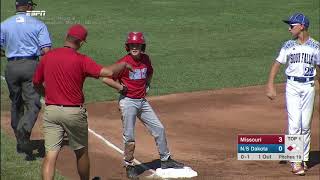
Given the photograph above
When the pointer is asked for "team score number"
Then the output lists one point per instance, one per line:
(308, 71)
(280, 148)
(280, 139)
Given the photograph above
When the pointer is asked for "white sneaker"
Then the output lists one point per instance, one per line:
(297, 168)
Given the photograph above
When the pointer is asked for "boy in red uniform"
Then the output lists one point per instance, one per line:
(133, 104)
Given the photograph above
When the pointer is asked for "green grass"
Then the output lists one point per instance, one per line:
(13, 166)
(4, 97)
(194, 45)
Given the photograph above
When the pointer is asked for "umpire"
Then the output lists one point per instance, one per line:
(23, 39)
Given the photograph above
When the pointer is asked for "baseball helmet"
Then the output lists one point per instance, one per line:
(135, 38)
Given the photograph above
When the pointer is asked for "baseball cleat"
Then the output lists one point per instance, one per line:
(19, 149)
(297, 168)
(305, 166)
(131, 172)
(170, 163)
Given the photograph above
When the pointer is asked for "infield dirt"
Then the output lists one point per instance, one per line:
(201, 128)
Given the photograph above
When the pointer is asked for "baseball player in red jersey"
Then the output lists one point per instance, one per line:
(132, 103)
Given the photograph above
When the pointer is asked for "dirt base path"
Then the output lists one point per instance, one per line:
(202, 129)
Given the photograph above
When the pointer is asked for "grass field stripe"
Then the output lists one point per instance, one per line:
(119, 150)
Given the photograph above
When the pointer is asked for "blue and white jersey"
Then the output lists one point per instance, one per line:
(23, 35)
(300, 58)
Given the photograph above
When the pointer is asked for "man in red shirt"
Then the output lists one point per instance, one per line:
(62, 72)
(133, 104)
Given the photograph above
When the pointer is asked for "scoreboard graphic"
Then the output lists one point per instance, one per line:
(270, 147)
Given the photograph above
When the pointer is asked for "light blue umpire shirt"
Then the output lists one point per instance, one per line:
(24, 35)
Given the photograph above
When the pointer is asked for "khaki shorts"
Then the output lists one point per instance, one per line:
(58, 120)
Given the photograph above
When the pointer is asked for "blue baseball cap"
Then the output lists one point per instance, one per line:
(298, 18)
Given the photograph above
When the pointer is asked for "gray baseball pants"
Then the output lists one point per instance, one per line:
(132, 108)
(25, 101)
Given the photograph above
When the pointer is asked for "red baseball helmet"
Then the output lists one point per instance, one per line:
(136, 38)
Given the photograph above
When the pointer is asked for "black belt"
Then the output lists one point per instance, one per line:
(23, 57)
(64, 105)
(301, 79)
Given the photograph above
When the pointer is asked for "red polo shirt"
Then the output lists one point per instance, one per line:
(137, 79)
(63, 72)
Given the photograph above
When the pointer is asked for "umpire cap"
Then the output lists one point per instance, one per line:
(25, 2)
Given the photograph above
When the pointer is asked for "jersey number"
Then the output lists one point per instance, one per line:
(138, 74)
(308, 71)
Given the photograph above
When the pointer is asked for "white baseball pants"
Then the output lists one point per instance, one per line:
(300, 100)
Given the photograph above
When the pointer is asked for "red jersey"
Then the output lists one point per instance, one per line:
(63, 71)
(136, 80)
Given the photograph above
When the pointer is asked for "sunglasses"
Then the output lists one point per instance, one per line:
(293, 25)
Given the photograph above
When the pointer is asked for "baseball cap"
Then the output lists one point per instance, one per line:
(78, 31)
(25, 2)
(298, 18)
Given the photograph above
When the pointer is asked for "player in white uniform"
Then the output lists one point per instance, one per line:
(301, 54)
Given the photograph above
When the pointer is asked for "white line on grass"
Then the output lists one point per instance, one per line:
(108, 143)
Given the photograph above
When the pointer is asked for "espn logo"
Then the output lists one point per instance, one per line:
(36, 13)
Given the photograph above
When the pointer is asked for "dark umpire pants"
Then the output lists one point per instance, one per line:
(25, 100)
